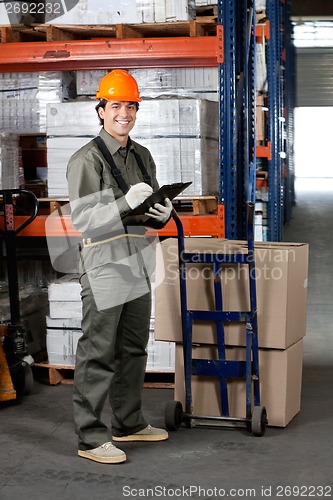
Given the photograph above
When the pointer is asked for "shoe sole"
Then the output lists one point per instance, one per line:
(102, 460)
(139, 437)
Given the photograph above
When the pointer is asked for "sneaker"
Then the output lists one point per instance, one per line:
(107, 453)
(149, 433)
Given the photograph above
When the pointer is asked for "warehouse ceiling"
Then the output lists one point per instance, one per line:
(313, 9)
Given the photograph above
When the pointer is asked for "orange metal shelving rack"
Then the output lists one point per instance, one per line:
(109, 53)
(197, 225)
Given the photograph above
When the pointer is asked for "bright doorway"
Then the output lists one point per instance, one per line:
(314, 142)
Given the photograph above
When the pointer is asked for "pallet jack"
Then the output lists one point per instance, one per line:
(16, 377)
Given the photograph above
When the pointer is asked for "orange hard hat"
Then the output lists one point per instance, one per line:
(118, 85)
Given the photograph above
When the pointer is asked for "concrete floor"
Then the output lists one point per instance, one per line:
(38, 457)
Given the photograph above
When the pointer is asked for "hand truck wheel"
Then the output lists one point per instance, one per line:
(259, 421)
(173, 415)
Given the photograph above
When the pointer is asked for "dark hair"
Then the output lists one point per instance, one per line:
(102, 103)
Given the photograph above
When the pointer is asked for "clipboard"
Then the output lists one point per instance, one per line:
(167, 191)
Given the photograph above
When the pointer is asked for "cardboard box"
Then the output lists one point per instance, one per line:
(281, 282)
(59, 309)
(160, 355)
(65, 297)
(66, 288)
(280, 383)
(94, 12)
(61, 340)
(63, 335)
(260, 119)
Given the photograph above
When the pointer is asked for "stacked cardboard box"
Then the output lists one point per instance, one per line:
(103, 12)
(64, 321)
(24, 98)
(183, 141)
(156, 82)
(108, 12)
(70, 125)
(205, 3)
(161, 355)
(62, 335)
(64, 328)
(280, 383)
(11, 172)
(261, 218)
(260, 119)
(260, 5)
(261, 69)
(281, 282)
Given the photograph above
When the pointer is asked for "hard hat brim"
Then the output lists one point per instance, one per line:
(117, 98)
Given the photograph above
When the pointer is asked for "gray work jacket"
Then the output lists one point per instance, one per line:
(98, 205)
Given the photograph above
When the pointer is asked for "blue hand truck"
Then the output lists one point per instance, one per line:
(256, 415)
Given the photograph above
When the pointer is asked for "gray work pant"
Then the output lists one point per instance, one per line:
(111, 354)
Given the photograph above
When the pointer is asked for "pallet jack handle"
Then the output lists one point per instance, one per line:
(10, 232)
(15, 364)
(7, 195)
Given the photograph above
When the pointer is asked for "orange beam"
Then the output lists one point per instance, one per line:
(198, 225)
(263, 31)
(220, 42)
(109, 53)
(57, 226)
(264, 151)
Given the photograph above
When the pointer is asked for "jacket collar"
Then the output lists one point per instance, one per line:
(111, 143)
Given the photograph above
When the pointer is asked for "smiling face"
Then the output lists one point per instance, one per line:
(119, 119)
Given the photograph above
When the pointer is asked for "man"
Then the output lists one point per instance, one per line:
(107, 179)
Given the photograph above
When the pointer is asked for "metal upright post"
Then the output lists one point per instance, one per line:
(275, 113)
(280, 123)
(250, 105)
(227, 119)
(289, 82)
(237, 113)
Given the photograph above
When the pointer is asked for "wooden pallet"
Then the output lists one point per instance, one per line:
(202, 26)
(196, 205)
(159, 380)
(203, 11)
(63, 374)
(53, 374)
(49, 205)
(261, 16)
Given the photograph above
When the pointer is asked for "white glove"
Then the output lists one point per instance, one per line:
(160, 212)
(137, 194)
